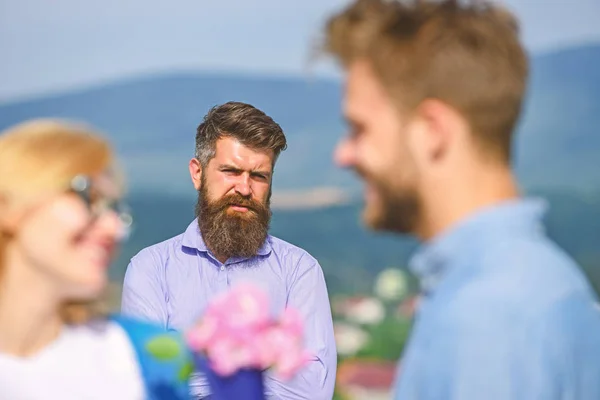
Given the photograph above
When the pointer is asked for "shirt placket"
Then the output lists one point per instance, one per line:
(222, 278)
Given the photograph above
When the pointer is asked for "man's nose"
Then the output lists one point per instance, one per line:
(345, 153)
(243, 185)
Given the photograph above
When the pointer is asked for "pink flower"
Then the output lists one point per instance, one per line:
(222, 355)
(264, 352)
(291, 363)
(237, 332)
(204, 334)
(289, 354)
(244, 307)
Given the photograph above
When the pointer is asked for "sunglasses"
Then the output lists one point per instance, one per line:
(98, 202)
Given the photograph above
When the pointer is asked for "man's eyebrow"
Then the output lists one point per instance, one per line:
(235, 168)
(261, 172)
(229, 166)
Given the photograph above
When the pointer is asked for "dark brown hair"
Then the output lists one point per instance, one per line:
(464, 53)
(246, 123)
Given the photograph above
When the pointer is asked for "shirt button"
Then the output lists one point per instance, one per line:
(222, 268)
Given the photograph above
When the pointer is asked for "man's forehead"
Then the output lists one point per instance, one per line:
(363, 93)
(229, 149)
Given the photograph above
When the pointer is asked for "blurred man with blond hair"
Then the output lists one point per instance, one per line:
(434, 90)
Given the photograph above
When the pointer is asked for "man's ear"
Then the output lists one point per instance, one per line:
(195, 172)
(9, 217)
(442, 124)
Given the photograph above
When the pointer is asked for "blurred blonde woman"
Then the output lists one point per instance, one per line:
(61, 218)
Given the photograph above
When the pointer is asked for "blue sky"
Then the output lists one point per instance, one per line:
(54, 45)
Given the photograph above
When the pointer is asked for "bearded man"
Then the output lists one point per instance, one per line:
(172, 282)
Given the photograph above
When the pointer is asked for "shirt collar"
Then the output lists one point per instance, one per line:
(192, 238)
(431, 260)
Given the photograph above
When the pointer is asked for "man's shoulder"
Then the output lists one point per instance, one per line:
(158, 252)
(520, 280)
(534, 267)
(290, 251)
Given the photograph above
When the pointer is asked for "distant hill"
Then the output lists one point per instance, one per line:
(152, 121)
(559, 140)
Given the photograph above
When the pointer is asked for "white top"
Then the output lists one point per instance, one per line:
(88, 362)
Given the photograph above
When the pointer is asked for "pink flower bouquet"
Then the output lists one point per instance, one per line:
(237, 333)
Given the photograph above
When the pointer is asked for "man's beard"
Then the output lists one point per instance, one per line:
(398, 210)
(232, 234)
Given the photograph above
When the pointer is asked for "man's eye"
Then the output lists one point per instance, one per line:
(356, 131)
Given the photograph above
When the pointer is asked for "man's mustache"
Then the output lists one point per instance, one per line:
(238, 200)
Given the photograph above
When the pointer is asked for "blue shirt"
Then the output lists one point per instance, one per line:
(505, 314)
(172, 282)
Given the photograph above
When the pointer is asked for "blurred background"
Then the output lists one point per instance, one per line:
(146, 72)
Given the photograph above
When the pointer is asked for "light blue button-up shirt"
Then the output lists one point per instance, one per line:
(505, 314)
(172, 282)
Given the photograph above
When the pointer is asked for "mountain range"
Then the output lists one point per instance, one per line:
(152, 121)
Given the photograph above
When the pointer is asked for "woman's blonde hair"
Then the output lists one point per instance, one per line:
(41, 157)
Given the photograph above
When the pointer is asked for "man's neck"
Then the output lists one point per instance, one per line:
(29, 315)
(451, 203)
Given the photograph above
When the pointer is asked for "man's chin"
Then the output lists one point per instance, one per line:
(373, 218)
(380, 219)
